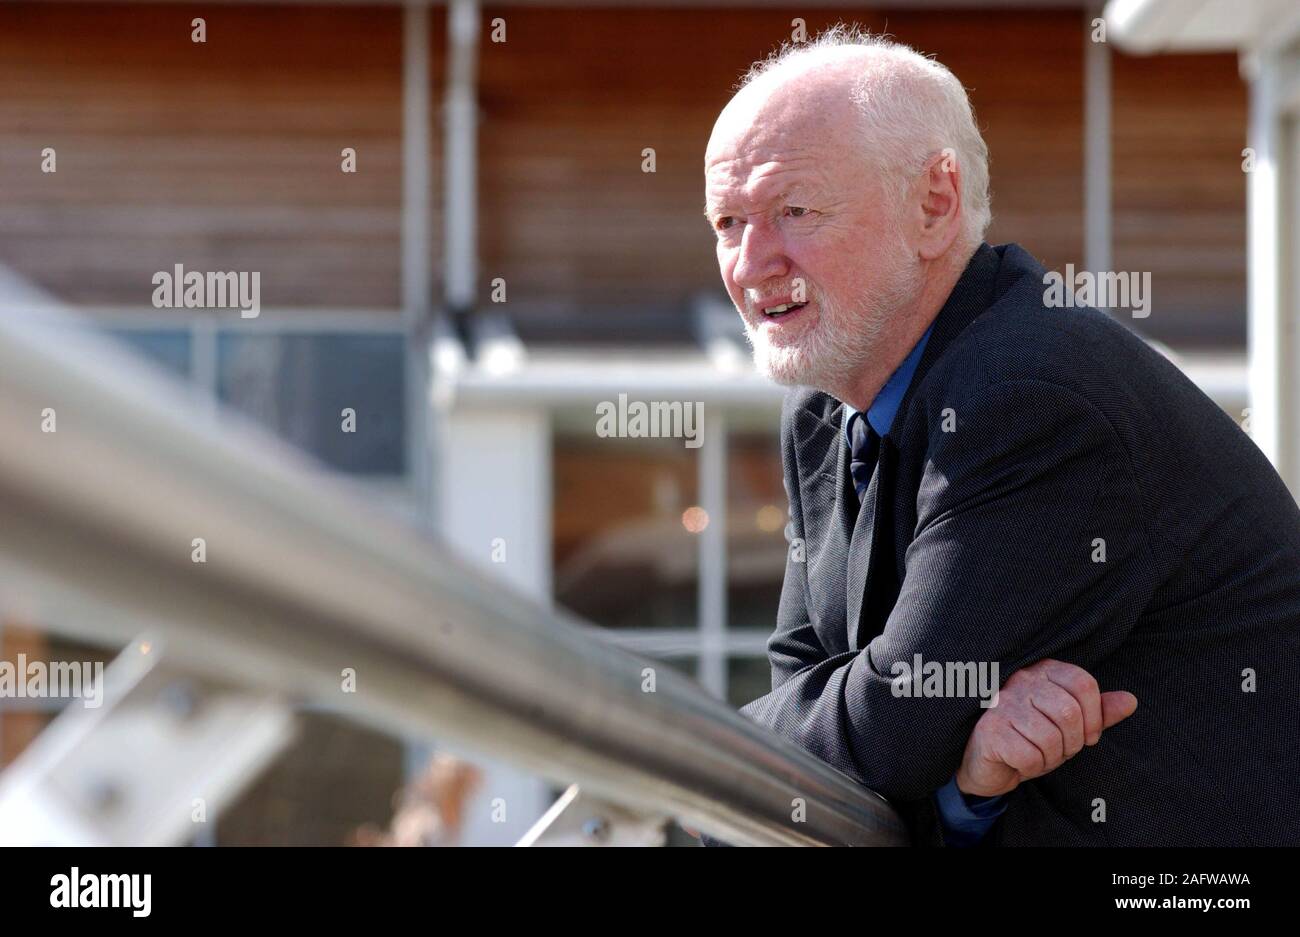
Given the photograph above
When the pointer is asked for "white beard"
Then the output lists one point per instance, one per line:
(844, 336)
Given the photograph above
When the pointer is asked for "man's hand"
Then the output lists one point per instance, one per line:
(1044, 715)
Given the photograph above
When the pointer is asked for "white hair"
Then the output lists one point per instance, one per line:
(913, 109)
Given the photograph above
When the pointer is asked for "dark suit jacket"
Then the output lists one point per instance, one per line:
(981, 544)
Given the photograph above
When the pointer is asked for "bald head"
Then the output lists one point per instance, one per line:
(900, 107)
(807, 99)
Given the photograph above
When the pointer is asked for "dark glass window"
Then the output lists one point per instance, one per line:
(299, 386)
(748, 678)
(623, 513)
(169, 348)
(757, 513)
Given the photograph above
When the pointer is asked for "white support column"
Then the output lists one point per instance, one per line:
(417, 249)
(460, 161)
(712, 667)
(1097, 240)
(460, 228)
(496, 511)
(1269, 354)
(497, 484)
(1289, 299)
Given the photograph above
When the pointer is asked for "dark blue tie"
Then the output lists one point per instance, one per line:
(864, 449)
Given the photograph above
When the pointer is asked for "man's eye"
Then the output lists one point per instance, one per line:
(796, 211)
(723, 223)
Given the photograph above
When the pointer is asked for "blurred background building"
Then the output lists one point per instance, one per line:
(501, 261)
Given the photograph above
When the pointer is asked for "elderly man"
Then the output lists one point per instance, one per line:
(980, 481)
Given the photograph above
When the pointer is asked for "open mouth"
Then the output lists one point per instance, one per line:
(780, 312)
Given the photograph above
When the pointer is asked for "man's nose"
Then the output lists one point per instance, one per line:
(761, 257)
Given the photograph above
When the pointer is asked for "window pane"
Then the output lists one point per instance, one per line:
(169, 348)
(748, 678)
(624, 556)
(757, 511)
(299, 386)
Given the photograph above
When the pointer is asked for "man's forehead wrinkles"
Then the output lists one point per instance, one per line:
(759, 158)
(765, 182)
(757, 174)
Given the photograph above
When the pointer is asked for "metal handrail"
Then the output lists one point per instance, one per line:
(303, 579)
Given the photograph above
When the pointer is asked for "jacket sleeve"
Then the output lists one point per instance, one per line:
(1029, 544)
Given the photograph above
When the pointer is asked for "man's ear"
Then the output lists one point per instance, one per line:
(941, 208)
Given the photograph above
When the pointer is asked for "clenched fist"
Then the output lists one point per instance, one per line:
(1044, 715)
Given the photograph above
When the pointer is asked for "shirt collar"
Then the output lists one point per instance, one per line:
(884, 408)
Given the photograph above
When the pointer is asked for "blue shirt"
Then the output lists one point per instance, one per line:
(965, 819)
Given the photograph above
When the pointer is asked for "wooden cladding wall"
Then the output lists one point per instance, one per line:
(225, 155)
(222, 155)
(1179, 192)
(1024, 74)
(572, 98)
